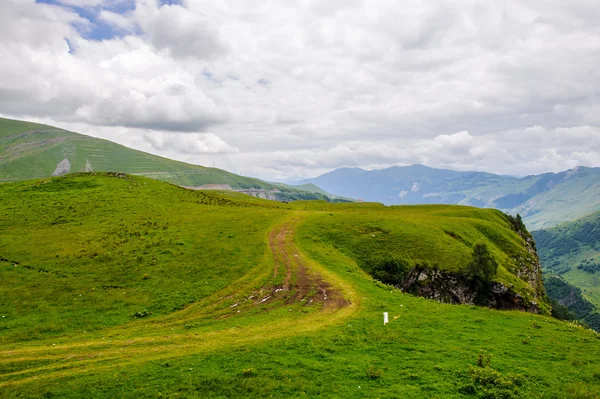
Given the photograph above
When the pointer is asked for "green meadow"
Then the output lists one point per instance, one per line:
(115, 285)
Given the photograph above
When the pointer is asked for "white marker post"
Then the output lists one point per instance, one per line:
(385, 318)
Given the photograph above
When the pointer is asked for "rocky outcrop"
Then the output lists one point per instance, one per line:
(451, 288)
(455, 288)
(530, 269)
(62, 168)
(272, 195)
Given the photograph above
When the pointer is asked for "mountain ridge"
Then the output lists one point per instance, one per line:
(543, 200)
(30, 150)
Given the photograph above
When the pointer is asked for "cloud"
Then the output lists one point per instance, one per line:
(194, 143)
(173, 28)
(121, 22)
(301, 87)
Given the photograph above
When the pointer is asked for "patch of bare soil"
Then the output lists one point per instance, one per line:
(307, 286)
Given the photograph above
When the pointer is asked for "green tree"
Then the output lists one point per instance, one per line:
(483, 267)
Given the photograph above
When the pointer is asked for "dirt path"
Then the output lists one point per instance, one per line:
(155, 339)
(308, 285)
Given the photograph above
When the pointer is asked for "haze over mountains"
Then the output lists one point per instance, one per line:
(543, 200)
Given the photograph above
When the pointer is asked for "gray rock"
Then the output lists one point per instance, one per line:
(62, 168)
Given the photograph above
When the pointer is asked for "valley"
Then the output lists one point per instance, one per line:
(571, 251)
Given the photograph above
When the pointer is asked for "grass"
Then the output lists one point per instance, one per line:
(200, 284)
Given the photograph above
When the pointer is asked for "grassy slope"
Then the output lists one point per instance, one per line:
(37, 153)
(69, 331)
(572, 198)
(564, 247)
(438, 235)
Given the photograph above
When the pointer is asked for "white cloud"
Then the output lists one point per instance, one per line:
(189, 143)
(180, 32)
(120, 22)
(304, 86)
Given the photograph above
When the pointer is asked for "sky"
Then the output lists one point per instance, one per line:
(295, 88)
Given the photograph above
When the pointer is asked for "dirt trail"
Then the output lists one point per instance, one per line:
(278, 241)
(135, 343)
(308, 285)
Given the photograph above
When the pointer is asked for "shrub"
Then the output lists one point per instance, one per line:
(491, 383)
(518, 225)
(495, 384)
(374, 373)
(484, 359)
(141, 313)
(390, 270)
(250, 372)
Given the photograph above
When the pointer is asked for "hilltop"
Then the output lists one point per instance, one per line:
(30, 150)
(118, 285)
(543, 200)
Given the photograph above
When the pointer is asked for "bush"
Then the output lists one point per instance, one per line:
(389, 271)
(483, 359)
(250, 372)
(374, 373)
(489, 382)
(141, 313)
(518, 225)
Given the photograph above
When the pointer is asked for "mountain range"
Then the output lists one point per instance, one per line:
(543, 200)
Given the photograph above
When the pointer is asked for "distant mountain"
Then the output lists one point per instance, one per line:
(31, 150)
(543, 200)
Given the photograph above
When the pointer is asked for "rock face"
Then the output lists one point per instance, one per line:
(264, 194)
(272, 194)
(530, 270)
(450, 288)
(62, 168)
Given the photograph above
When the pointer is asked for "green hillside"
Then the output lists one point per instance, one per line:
(122, 286)
(572, 250)
(30, 150)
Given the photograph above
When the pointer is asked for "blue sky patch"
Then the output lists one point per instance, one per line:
(99, 30)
